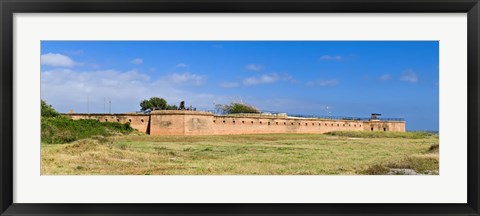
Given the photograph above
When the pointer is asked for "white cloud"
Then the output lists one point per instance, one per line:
(56, 60)
(288, 78)
(263, 79)
(323, 83)
(268, 78)
(331, 58)
(187, 78)
(75, 52)
(181, 65)
(254, 67)
(229, 85)
(68, 89)
(101, 77)
(288, 105)
(409, 76)
(137, 61)
(385, 77)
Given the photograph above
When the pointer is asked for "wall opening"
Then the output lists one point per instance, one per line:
(384, 129)
(149, 125)
(372, 129)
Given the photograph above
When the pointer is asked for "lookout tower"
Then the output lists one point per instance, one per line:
(375, 117)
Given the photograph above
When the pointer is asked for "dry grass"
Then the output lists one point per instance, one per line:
(262, 154)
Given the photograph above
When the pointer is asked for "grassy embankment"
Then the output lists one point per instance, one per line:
(62, 130)
(344, 153)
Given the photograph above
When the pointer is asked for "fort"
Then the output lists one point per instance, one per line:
(188, 122)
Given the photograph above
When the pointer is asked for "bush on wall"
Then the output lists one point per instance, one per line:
(235, 107)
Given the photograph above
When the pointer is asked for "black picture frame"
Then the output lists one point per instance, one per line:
(9, 7)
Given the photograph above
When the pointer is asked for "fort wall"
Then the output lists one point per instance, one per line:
(183, 122)
(136, 120)
(241, 125)
(384, 126)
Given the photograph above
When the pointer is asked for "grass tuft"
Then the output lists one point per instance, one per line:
(376, 169)
(421, 164)
(434, 148)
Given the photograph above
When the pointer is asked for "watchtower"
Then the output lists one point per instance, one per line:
(375, 117)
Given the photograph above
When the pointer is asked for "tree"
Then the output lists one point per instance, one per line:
(154, 103)
(47, 110)
(234, 107)
(172, 107)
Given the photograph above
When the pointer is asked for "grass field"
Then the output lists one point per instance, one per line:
(339, 153)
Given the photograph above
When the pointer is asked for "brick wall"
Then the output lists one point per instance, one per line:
(182, 122)
(178, 122)
(385, 126)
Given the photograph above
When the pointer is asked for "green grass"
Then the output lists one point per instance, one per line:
(382, 134)
(420, 163)
(260, 154)
(62, 130)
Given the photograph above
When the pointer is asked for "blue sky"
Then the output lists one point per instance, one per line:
(351, 78)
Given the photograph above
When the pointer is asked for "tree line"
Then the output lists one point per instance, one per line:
(158, 103)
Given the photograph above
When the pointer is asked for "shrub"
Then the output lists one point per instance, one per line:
(62, 130)
(234, 108)
(47, 110)
(154, 103)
